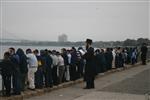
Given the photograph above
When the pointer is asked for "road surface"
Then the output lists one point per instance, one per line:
(132, 84)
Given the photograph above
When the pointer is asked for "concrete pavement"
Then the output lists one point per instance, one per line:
(104, 83)
(111, 96)
(105, 87)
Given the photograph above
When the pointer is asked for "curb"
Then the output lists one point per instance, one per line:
(39, 92)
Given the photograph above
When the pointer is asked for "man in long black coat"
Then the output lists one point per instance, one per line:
(7, 70)
(90, 68)
(144, 50)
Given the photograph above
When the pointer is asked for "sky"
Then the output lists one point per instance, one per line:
(101, 20)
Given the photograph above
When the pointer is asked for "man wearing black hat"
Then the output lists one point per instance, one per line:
(90, 70)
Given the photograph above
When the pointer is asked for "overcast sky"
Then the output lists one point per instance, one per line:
(100, 21)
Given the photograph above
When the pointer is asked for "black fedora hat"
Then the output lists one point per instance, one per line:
(89, 41)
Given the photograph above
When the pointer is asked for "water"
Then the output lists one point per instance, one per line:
(5, 48)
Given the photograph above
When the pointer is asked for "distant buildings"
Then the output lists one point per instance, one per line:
(62, 38)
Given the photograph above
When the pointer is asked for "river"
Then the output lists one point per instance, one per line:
(5, 48)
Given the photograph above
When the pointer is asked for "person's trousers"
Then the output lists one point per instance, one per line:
(73, 73)
(143, 58)
(48, 77)
(67, 73)
(23, 77)
(31, 77)
(39, 78)
(16, 83)
(90, 83)
(7, 83)
(61, 73)
(54, 75)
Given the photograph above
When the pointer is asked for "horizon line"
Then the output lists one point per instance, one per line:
(70, 41)
(82, 1)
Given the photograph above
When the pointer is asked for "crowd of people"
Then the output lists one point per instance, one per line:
(34, 69)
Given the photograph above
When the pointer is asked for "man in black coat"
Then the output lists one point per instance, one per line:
(90, 68)
(23, 67)
(144, 50)
(7, 70)
(17, 74)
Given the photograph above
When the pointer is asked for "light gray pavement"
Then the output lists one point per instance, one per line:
(111, 96)
(115, 86)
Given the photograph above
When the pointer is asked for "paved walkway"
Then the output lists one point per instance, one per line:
(111, 96)
(116, 86)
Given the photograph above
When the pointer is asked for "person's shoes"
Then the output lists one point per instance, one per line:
(6, 95)
(92, 87)
(51, 86)
(16, 93)
(31, 89)
(86, 88)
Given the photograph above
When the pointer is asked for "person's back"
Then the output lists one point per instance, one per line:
(7, 67)
(16, 75)
(7, 70)
(23, 61)
(32, 60)
(144, 50)
(55, 60)
(32, 68)
(61, 67)
(60, 61)
(90, 68)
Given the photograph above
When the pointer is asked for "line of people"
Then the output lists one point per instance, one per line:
(46, 68)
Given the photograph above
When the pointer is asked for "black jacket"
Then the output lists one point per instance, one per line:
(23, 61)
(6, 67)
(90, 67)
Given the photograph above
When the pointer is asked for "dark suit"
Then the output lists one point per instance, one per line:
(144, 50)
(7, 69)
(90, 68)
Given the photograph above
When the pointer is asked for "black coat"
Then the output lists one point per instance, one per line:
(90, 67)
(144, 50)
(23, 65)
(7, 68)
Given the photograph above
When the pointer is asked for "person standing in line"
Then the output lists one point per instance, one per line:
(54, 68)
(98, 61)
(23, 67)
(32, 68)
(119, 60)
(144, 50)
(61, 67)
(65, 57)
(133, 56)
(68, 66)
(7, 70)
(48, 69)
(39, 73)
(90, 68)
(16, 75)
(109, 58)
(79, 63)
(103, 61)
(73, 67)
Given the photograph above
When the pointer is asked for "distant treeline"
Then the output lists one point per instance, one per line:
(127, 42)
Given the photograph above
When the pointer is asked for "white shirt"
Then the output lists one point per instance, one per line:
(69, 58)
(55, 60)
(32, 60)
(60, 61)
